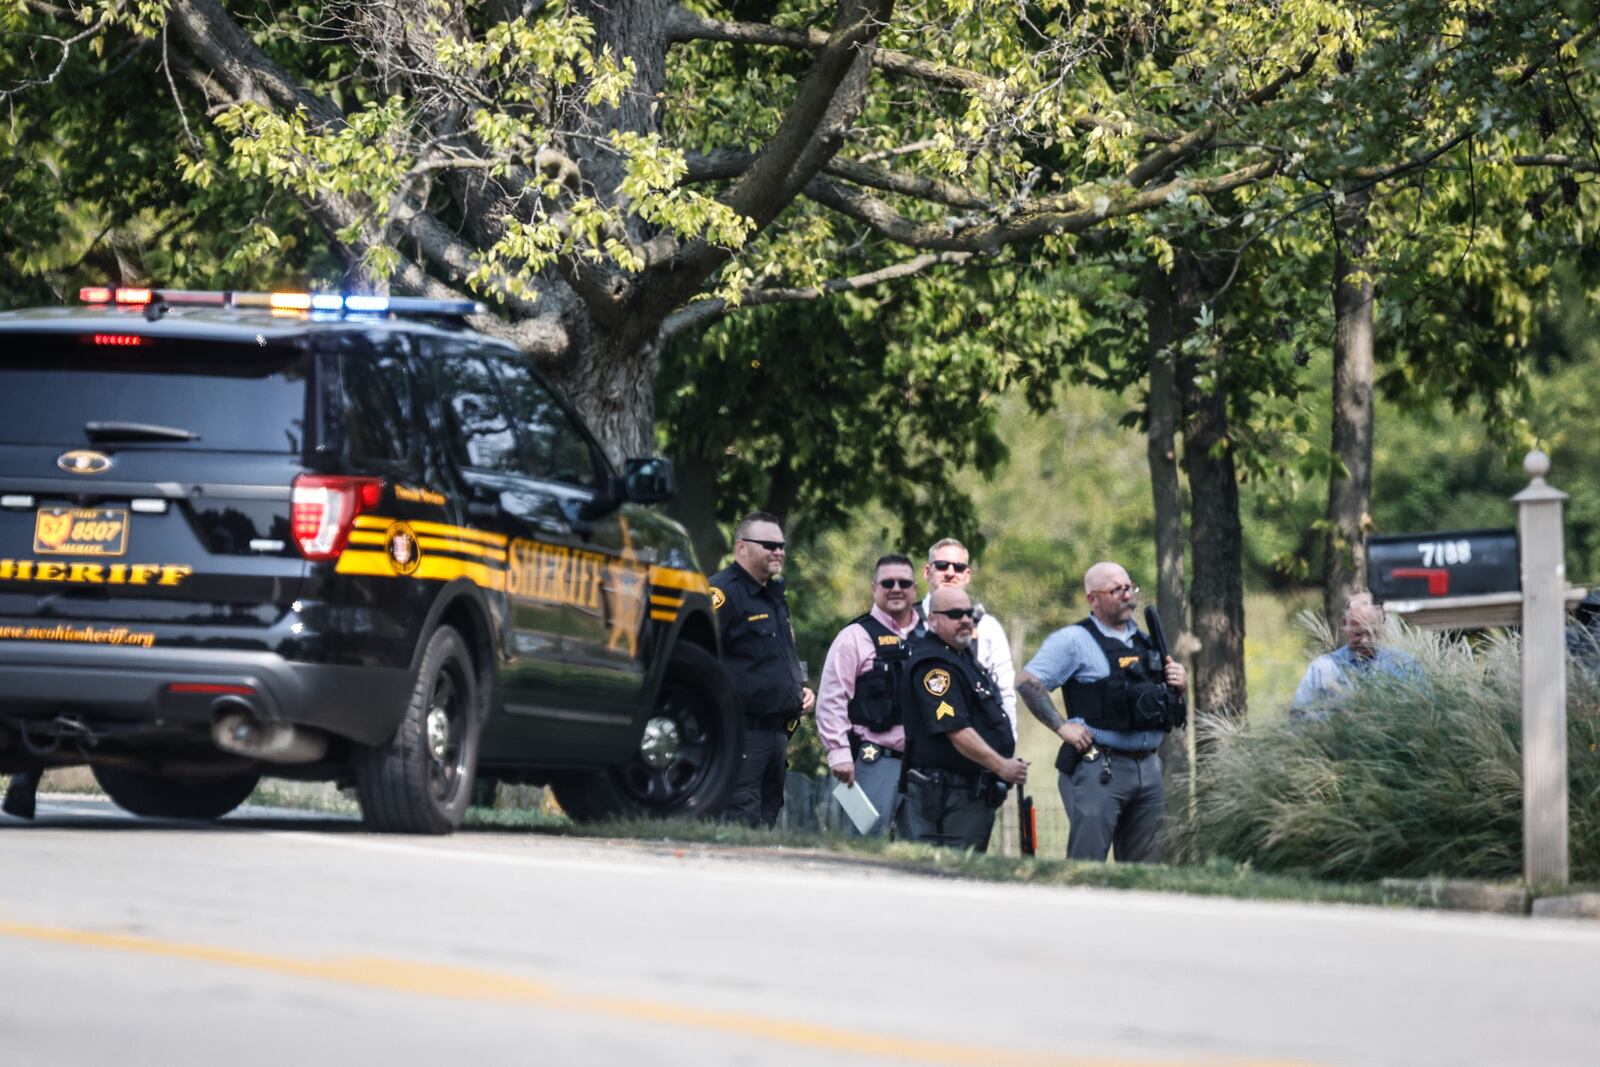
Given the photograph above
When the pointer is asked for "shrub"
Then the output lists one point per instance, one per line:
(1410, 776)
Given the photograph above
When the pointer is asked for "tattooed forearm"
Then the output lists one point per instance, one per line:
(1034, 694)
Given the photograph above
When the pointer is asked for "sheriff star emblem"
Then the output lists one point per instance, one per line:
(943, 711)
(869, 753)
(718, 598)
(937, 682)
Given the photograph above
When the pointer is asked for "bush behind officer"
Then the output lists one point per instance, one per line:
(759, 652)
(960, 749)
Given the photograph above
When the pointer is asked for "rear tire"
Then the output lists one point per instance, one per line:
(420, 782)
(686, 759)
(158, 796)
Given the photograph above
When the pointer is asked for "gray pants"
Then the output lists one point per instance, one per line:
(1122, 816)
(943, 814)
(880, 780)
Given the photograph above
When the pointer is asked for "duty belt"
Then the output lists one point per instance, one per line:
(1131, 753)
(940, 776)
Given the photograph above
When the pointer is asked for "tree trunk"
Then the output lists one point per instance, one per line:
(1350, 482)
(695, 505)
(1164, 311)
(1161, 292)
(1216, 594)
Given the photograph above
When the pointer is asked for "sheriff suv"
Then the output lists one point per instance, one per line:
(337, 538)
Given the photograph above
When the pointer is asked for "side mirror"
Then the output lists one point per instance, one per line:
(648, 481)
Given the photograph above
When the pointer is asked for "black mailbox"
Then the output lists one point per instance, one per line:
(1453, 563)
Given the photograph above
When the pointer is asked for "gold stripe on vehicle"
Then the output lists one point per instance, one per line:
(467, 532)
(663, 616)
(364, 537)
(440, 529)
(673, 578)
(431, 568)
(444, 544)
(666, 601)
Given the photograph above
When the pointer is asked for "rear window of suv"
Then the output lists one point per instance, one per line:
(233, 397)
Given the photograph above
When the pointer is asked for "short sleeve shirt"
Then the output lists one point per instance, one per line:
(1071, 653)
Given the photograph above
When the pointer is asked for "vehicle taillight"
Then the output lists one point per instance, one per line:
(323, 507)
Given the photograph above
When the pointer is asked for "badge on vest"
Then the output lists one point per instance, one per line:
(888, 639)
(870, 753)
(937, 682)
(1127, 661)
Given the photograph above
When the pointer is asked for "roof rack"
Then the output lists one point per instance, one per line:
(340, 304)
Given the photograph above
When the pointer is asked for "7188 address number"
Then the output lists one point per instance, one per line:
(1445, 553)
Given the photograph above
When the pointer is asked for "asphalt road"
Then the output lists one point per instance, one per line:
(273, 939)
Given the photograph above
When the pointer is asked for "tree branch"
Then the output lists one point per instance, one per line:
(214, 38)
(728, 163)
(1560, 162)
(1030, 221)
(684, 26)
(704, 312)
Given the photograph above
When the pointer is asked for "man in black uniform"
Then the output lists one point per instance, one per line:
(758, 650)
(959, 743)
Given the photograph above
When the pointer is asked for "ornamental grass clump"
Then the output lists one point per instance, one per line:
(1406, 775)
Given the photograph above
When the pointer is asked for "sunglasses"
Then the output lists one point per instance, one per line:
(948, 565)
(1120, 591)
(957, 614)
(770, 546)
(896, 583)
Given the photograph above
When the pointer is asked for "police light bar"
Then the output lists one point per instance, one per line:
(283, 302)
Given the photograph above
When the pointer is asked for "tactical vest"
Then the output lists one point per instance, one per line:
(987, 713)
(876, 704)
(1133, 697)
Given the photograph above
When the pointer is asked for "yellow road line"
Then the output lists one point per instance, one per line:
(466, 983)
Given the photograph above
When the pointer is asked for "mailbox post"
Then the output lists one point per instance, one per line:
(1544, 679)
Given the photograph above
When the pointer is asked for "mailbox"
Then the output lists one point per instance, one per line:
(1454, 563)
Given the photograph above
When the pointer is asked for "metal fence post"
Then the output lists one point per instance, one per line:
(1544, 678)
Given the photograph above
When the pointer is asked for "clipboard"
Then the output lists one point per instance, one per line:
(853, 799)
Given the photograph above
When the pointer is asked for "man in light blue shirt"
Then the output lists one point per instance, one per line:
(1329, 674)
(1112, 791)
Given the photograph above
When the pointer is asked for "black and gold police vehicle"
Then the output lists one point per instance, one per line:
(336, 538)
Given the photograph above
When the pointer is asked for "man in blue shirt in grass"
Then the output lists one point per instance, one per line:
(1329, 674)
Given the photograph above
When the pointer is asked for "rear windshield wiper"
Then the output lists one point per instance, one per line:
(136, 431)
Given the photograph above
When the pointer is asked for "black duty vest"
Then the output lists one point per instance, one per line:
(1134, 696)
(876, 704)
(988, 715)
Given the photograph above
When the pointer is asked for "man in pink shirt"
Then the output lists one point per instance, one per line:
(857, 698)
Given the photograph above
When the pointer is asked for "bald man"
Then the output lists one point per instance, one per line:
(960, 752)
(1118, 710)
(1362, 625)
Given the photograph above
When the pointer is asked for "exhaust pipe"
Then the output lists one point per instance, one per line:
(238, 730)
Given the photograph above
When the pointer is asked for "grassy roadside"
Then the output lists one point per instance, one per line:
(1214, 878)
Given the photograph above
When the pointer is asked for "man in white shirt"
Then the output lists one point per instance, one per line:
(949, 564)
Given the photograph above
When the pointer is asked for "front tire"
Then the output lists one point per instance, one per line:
(420, 782)
(685, 760)
(158, 796)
